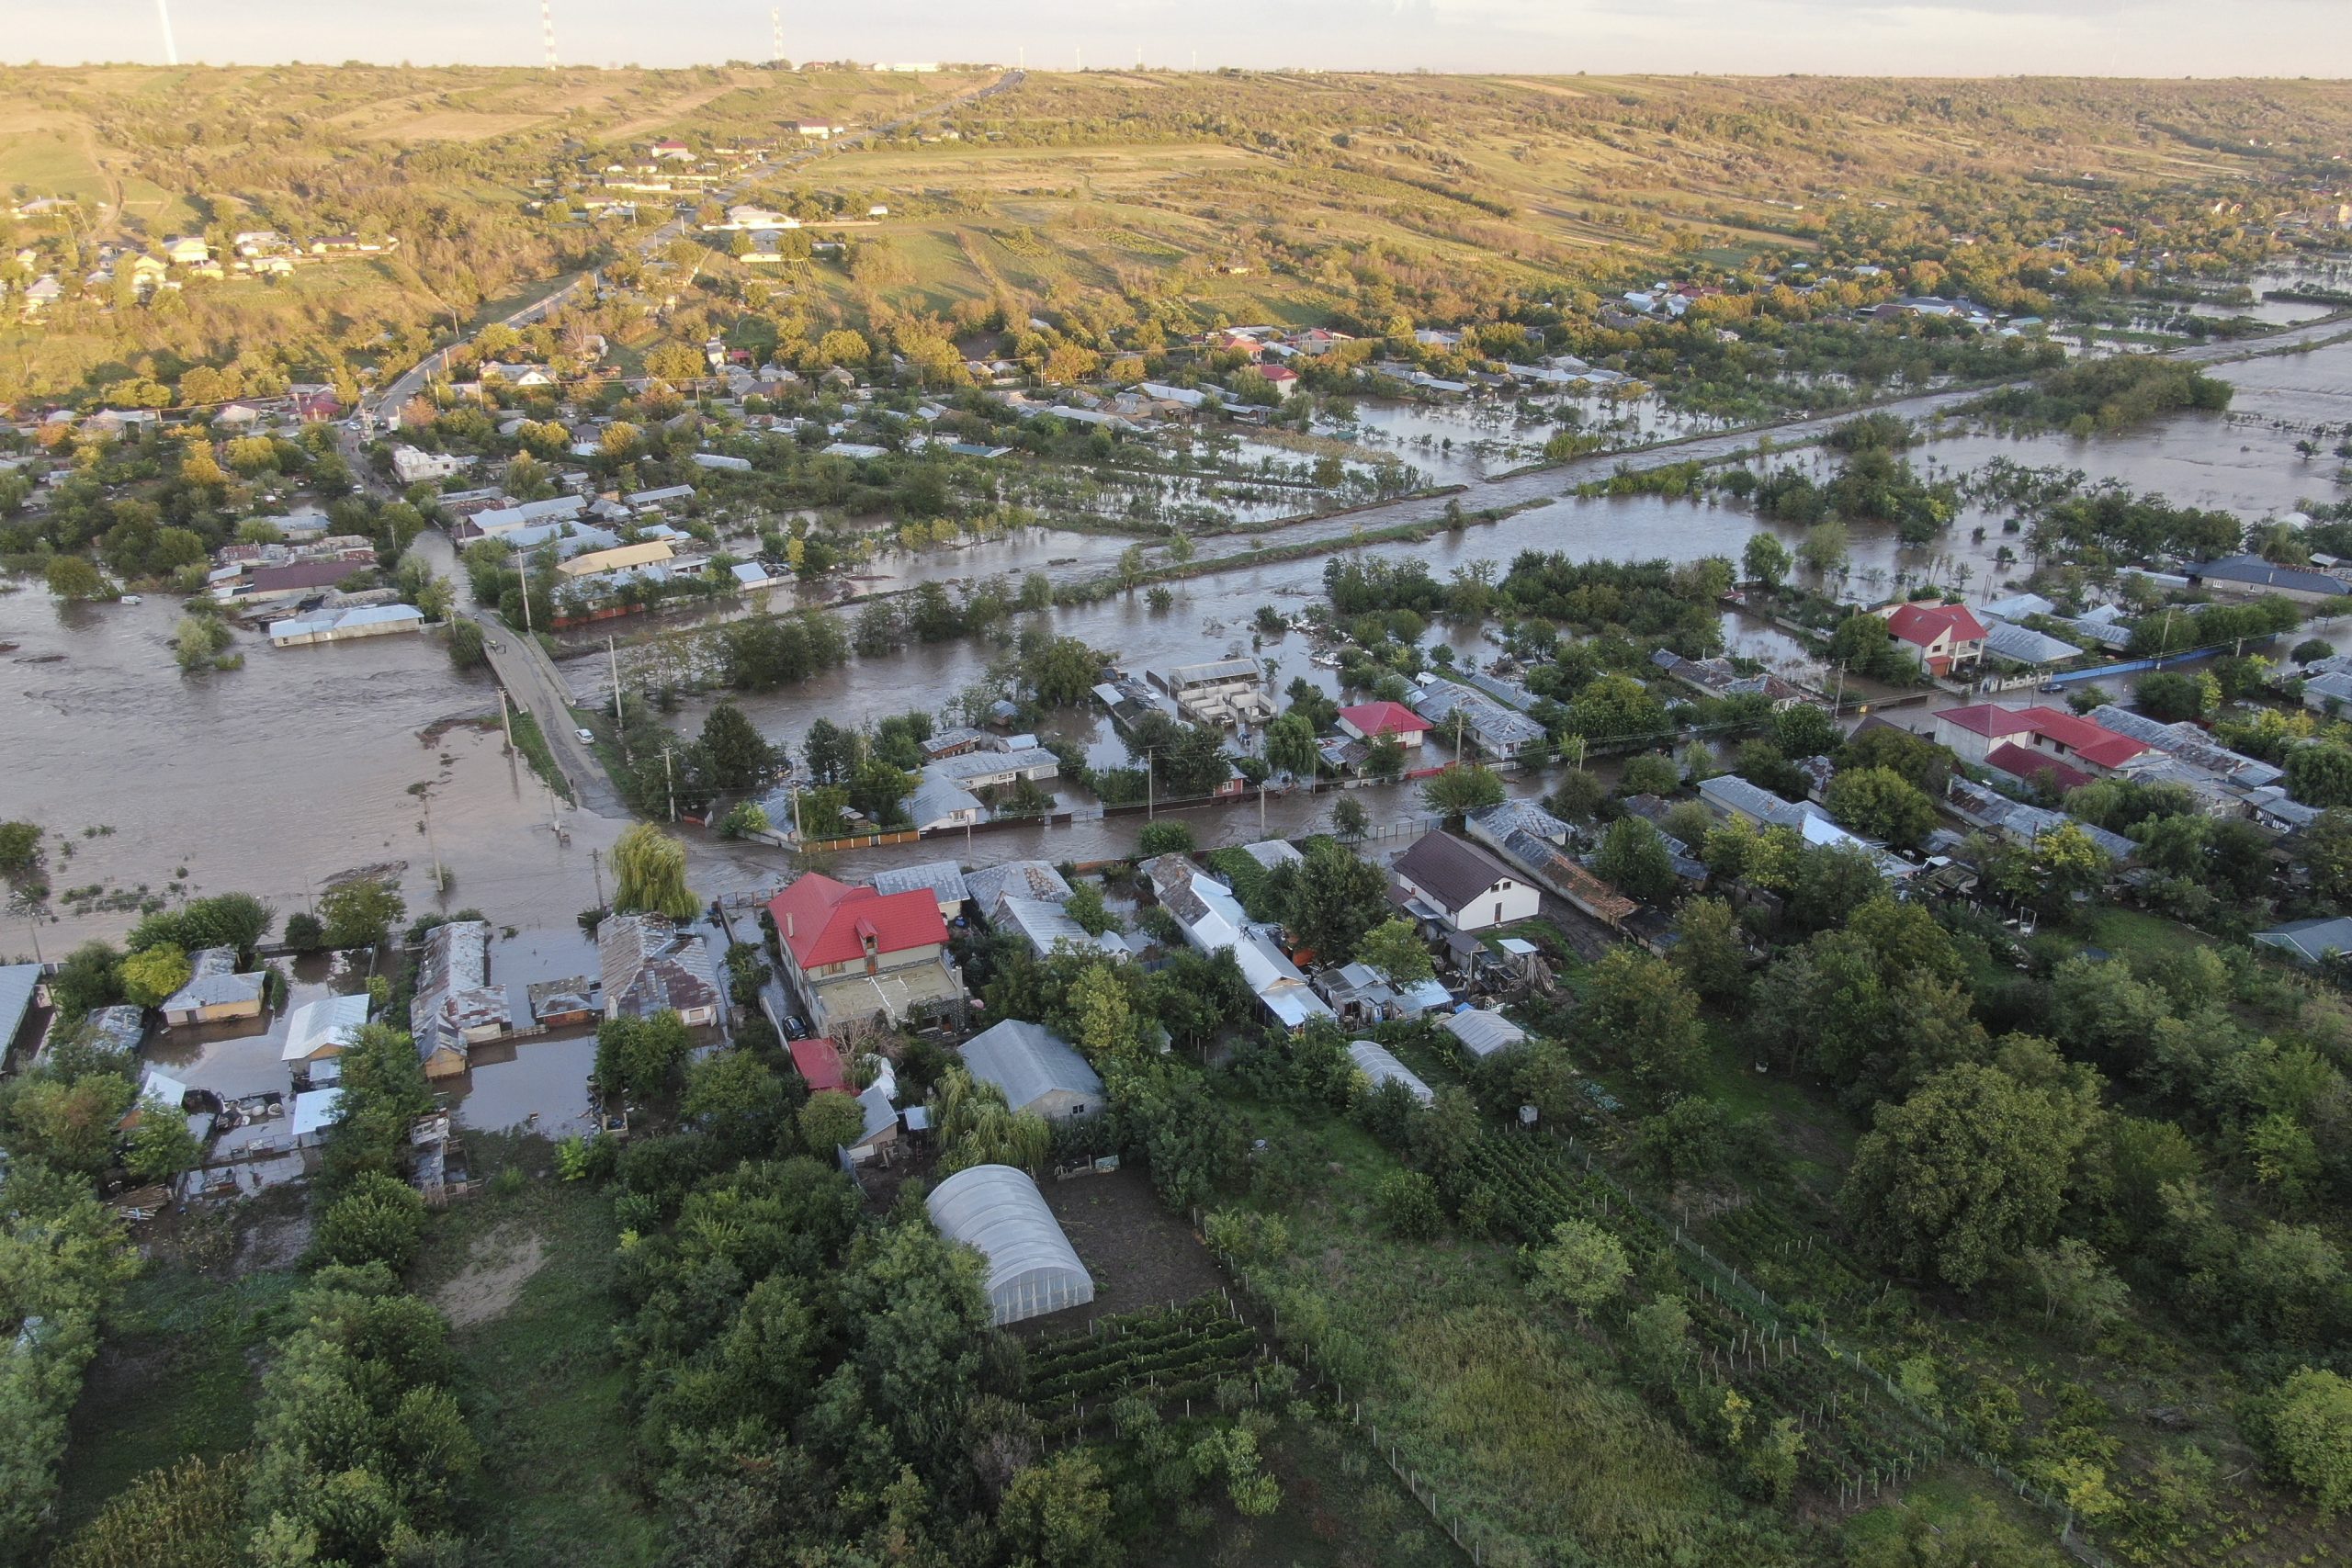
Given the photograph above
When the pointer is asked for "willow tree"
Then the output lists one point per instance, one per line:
(651, 866)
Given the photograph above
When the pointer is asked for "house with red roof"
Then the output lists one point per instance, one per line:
(1281, 378)
(1945, 636)
(1368, 721)
(2026, 742)
(861, 959)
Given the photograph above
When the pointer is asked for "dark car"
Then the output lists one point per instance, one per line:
(794, 1029)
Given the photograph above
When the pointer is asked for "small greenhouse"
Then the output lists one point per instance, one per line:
(1378, 1065)
(999, 1212)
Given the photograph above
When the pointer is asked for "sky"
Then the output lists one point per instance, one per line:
(2130, 37)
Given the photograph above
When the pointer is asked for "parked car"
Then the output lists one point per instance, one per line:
(793, 1028)
(586, 738)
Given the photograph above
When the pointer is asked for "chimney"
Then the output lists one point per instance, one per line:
(787, 925)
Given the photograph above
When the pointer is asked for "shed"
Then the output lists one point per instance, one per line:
(19, 982)
(1379, 1066)
(215, 991)
(819, 1061)
(1484, 1033)
(314, 1112)
(1037, 1069)
(999, 1212)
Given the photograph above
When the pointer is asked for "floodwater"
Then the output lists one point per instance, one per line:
(275, 777)
(272, 779)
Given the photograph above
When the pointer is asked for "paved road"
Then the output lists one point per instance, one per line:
(523, 669)
(384, 404)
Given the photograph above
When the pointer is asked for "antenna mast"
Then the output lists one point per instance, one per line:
(776, 24)
(547, 28)
(171, 46)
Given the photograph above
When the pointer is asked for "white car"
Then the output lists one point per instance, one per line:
(585, 737)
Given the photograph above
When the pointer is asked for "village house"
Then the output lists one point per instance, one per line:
(2248, 576)
(855, 956)
(648, 967)
(322, 1030)
(412, 466)
(1038, 1071)
(1947, 638)
(456, 1007)
(1368, 721)
(1459, 885)
(215, 992)
(1213, 921)
(1731, 797)
(1455, 711)
(2032, 743)
(942, 879)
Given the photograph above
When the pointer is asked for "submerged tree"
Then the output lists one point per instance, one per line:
(651, 868)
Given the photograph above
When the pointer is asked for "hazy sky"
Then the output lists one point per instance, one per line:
(2157, 37)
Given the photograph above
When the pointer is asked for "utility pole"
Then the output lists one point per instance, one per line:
(1149, 807)
(597, 859)
(619, 722)
(440, 876)
(506, 720)
(671, 780)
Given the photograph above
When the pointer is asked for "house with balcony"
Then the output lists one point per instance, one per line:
(860, 959)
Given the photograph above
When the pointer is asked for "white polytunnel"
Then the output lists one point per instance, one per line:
(998, 1211)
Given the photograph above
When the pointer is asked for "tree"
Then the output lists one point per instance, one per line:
(1085, 906)
(379, 1219)
(1395, 949)
(1350, 823)
(739, 759)
(831, 1120)
(1582, 1266)
(2326, 849)
(468, 648)
(2169, 697)
(161, 1143)
(1651, 772)
(1064, 672)
(1634, 859)
(2320, 774)
(1576, 796)
(2075, 1283)
(1641, 1011)
(1462, 788)
(1057, 1513)
(2310, 1430)
(829, 751)
(19, 849)
(649, 871)
(1164, 838)
(1289, 746)
(154, 974)
(639, 1057)
(735, 1098)
(1384, 759)
(1968, 1171)
(1975, 1534)
(72, 577)
(1766, 561)
(360, 914)
(1880, 804)
(86, 981)
(1861, 643)
(1712, 955)
(1337, 900)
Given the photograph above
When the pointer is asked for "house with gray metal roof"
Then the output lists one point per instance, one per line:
(1017, 878)
(1036, 1069)
(649, 965)
(456, 1007)
(944, 879)
(215, 991)
(1454, 709)
(2312, 942)
(2250, 574)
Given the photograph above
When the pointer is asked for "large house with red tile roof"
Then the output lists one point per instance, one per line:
(1946, 637)
(861, 959)
(2030, 742)
(1368, 721)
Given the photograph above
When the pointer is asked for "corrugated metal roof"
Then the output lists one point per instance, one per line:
(1028, 1061)
(998, 1211)
(17, 983)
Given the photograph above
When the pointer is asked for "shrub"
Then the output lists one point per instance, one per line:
(1408, 1205)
